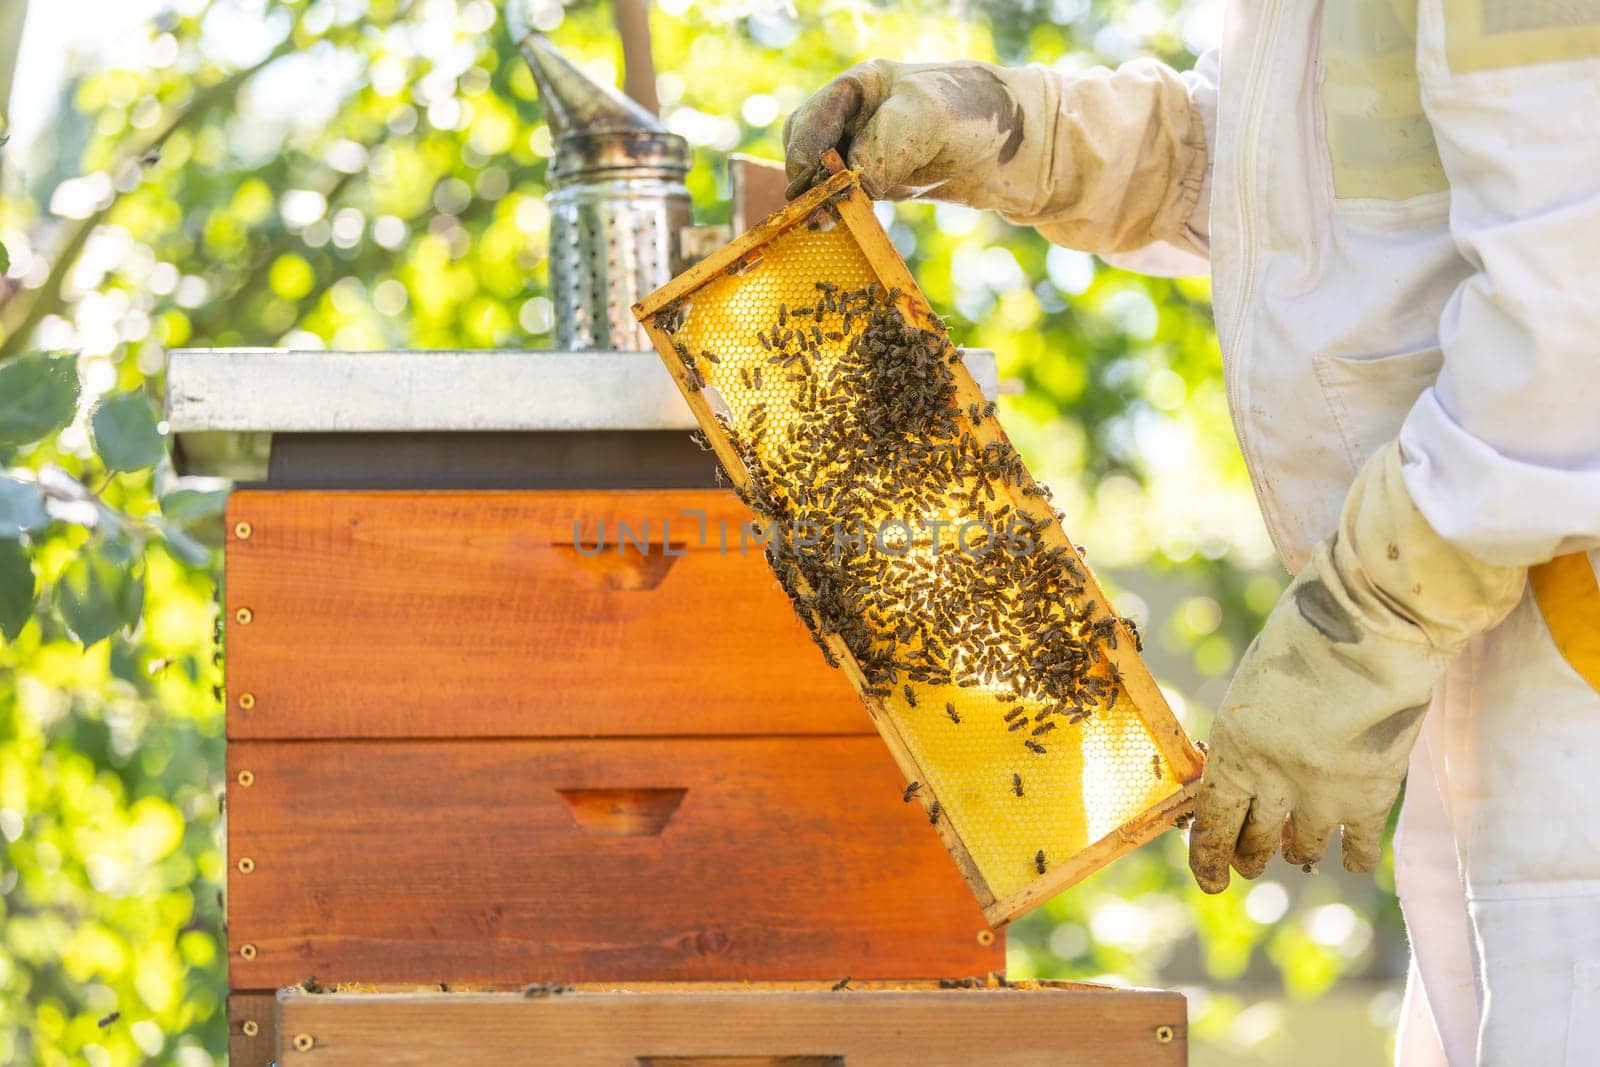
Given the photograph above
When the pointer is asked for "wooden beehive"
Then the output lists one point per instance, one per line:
(754, 335)
(463, 752)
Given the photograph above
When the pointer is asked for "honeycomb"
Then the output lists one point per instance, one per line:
(1001, 678)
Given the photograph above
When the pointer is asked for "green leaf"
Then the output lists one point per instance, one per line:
(182, 505)
(125, 433)
(16, 589)
(21, 508)
(97, 596)
(5, 259)
(38, 396)
(185, 548)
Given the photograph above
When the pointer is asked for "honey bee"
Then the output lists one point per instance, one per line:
(911, 696)
(841, 983)
(933, 812)
(1016, 784)
(1155, 764)
(1038, 861)
(950, 710)
(1034, 746)
(911, 791)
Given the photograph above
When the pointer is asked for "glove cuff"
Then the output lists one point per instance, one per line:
(1402, 577)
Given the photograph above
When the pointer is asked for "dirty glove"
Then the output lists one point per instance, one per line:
(1103, 161)
(1317, 726)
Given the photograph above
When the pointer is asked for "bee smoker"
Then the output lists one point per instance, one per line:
(620, 215)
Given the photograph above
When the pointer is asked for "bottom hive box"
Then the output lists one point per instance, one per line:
(479, 863)
(870, 1025)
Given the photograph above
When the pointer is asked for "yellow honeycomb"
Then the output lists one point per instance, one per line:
(1094, 775)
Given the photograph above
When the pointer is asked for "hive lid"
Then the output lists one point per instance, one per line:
(225, 404)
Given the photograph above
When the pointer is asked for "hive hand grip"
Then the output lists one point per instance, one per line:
(622, 812)
(622, 568)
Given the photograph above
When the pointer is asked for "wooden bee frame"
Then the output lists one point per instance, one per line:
(843, 206)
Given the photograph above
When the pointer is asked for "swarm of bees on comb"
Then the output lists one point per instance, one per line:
(884, 442)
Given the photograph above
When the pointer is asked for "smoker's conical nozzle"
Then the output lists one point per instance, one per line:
(575, 103)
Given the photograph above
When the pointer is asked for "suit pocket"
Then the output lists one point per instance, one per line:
(1369, 396)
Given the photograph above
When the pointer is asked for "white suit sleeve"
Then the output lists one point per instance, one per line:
(1503, 453)
(1117, 163)
(1188, 251)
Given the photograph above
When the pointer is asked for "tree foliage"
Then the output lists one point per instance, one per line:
(396, 200)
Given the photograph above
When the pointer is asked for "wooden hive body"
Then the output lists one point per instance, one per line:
(463, 752)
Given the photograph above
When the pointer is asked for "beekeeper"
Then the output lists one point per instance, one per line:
(1399, 201)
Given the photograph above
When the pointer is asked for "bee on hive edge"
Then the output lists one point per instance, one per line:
(911, 791)
(1038, 861)
(545, 989)
(933, 812)
(841, 983)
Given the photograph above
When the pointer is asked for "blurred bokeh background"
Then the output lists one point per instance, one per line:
(360, 174)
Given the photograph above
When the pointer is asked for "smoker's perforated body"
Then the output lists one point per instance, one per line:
(760, 339)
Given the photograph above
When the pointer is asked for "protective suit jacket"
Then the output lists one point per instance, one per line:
(1399, 205)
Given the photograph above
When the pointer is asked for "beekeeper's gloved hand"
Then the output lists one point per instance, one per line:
(1316, 729)
(1104, 161)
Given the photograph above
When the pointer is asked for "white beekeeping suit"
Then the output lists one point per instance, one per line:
(1399, 201)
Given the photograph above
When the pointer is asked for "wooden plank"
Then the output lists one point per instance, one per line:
(758, 188)
(505, 862)
(1067, 1027)
(252, 1028)
(446, 614)
(1003, 884)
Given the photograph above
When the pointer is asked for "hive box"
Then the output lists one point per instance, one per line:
(467, 749)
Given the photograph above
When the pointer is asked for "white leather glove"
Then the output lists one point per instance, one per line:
(1104, 161)
(1316, 729)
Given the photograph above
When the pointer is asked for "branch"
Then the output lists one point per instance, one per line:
(48, 296)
